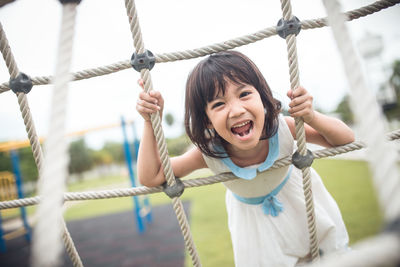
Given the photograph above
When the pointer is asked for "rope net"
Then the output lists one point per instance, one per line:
(51, 229)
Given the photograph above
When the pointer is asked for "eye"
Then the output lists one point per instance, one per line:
(245, 93)
(216, 104)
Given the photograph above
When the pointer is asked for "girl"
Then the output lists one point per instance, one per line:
(236, 126)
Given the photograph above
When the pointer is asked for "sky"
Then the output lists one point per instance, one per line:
(103, 37)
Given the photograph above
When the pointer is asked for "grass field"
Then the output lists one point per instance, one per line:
(348, 181)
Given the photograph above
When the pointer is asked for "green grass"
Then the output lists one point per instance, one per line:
(350, 184)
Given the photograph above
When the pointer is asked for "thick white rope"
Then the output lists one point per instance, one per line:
(300, 135)
(381, 155)
(47, 238)
(381, 250)
(159, 135)
(32, 135)
(207, 50)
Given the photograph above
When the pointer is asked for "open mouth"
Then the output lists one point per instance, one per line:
(242, 129)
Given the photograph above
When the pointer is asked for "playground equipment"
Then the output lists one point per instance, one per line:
(140, 212)
(383, 249)
(11, 189)
(142, 207)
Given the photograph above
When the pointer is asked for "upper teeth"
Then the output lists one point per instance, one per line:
(241, 124)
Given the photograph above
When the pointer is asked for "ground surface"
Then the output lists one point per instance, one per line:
(112, 240)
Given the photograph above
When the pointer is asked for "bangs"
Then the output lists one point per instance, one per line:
(215, 72)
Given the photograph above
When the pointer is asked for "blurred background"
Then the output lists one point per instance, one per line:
(96, 105)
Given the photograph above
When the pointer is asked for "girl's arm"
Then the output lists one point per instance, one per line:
(150, 170)
(319, 128)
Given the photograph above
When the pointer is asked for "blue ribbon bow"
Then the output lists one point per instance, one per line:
(271, 205)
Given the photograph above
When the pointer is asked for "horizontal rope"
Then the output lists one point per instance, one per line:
(203, 51)
(143, 190)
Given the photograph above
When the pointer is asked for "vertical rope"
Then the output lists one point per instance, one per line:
(32, 134)
(382, 156)
(7, 54)
(22, 99)
(159, 134)
(70, 247)
(47, 246)
(300, 134)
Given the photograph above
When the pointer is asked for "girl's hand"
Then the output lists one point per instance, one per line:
(149, 103)
(301, 104)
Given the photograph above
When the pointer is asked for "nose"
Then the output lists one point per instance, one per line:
(236, 110)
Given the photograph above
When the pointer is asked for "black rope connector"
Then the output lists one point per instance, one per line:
(70, 1)
(302, 161)
(21, 84)
(393, 227)
(287, 27)
(145, 60)
(175, 190)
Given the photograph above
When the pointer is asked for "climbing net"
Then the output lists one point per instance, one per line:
(50, 230)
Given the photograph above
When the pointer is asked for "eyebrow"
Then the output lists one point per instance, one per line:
(238, 88)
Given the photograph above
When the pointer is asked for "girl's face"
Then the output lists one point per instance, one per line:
(237, 116)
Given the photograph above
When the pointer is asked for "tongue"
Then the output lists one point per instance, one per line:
(241, 130)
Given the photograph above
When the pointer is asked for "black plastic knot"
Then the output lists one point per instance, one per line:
(393, 227)
(70, 1)
(21, 84)
(302, 161)
(287, 27)
(175, 190)
(145, 60)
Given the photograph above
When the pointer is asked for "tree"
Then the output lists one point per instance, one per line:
(5, 162)
(80, 159)
(115, 150)
(344, 111)
(27, 164)
(177, 146)
(169, 119)
(101, 157)
(394, 81)
(395, 77)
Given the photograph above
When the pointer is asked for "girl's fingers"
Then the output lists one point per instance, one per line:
(300, 100)
(144, 111)
(157, 95)
(141, 83)
(148, 98)
(148, 105)
(303, 107)
(299, 91)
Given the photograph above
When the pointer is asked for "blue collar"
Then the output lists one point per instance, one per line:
(270, 204)
(251, 173)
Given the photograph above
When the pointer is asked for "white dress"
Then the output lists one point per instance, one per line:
(262, 234)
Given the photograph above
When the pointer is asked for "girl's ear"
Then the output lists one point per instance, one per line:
(209, 124)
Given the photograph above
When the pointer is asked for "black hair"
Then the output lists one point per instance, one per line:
(209, 78)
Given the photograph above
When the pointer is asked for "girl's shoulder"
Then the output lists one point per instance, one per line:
(216, 165)
(286, 126)
(286, 140)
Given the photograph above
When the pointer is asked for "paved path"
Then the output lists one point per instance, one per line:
(112, 240)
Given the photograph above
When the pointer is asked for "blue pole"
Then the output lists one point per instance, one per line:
(2, 241)
(128, 159)
(18, 182)
(146, 200)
